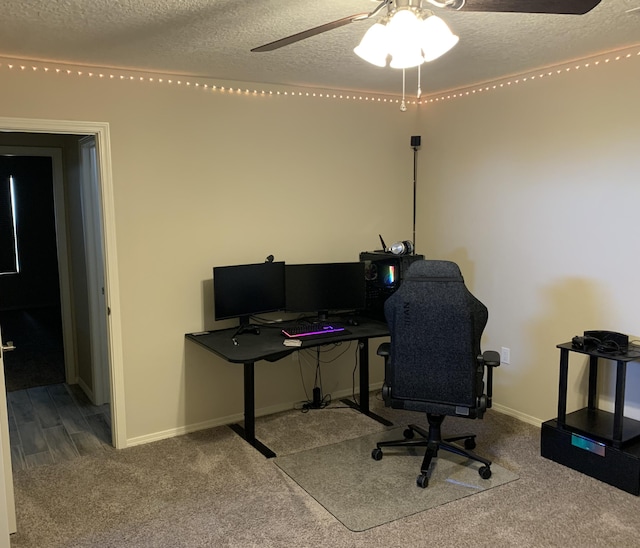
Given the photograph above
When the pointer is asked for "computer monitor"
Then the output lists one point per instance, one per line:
(323, 287)
(242, 291)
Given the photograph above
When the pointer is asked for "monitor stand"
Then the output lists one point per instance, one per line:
(246, 327)
(323, 316)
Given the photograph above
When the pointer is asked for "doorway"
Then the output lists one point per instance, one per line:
(30, 296)
(100, 131)
(50, 421)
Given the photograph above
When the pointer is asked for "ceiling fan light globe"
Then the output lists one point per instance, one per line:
(436, 38)
(404, 35)
(373, 47)
(403, 59)
(404, 23)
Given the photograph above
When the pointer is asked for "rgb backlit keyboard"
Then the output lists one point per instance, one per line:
(308, 329)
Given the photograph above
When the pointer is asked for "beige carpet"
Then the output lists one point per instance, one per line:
(363, 493)
(210, 489)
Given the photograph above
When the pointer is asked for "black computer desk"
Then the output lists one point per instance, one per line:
(268, 346)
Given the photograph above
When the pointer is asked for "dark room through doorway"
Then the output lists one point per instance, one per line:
(30, 308)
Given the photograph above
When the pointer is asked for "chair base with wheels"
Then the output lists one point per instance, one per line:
(433, 441)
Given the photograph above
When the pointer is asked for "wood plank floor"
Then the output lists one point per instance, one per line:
(54, 423)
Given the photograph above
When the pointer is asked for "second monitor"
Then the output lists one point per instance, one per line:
(321, 288)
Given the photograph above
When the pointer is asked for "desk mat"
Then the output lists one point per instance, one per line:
(362, 493)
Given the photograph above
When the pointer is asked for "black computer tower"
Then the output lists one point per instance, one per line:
(383, 275)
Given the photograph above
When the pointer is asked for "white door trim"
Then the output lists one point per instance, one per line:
(7, 497)
(94, 255)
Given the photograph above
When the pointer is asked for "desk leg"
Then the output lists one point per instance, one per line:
(363, 407)
(618, 412)
(248, 433)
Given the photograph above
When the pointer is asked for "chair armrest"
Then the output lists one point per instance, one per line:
(491, 358)
(384, 349)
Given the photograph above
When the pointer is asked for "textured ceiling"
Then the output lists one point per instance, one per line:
(212, 38)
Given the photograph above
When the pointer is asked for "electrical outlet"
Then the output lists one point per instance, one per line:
(505, 355)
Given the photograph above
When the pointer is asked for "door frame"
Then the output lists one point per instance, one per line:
(94, 263)
(7, 496)
(112, 290)
(112, 296)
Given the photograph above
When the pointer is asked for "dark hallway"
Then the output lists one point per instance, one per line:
(30, 313)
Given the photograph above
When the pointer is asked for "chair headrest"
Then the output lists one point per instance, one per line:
(441, 270)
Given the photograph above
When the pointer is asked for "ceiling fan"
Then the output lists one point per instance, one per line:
(569, 7)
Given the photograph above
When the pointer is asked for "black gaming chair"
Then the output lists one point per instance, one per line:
(433, 363)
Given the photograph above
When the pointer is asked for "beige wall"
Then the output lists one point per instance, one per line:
(533, 188)
(206, 178)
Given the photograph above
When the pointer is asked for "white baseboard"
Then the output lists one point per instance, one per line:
(279, 408)
(517, 415)
(231, 419)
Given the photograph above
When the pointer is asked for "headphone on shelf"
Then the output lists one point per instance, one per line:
(602, 344)
(401, 248)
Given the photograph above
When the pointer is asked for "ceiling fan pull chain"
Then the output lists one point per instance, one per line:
(403, 105)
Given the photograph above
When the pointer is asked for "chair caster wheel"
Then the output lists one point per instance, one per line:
(376, 454)
(485, 472)
(422, 481)
(408, 434)
(469, 444)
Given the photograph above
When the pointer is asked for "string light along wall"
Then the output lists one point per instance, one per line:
(547, 72)
(56, 69)
(18, 65)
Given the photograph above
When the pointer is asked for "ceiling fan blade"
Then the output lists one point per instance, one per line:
(570, 7)
(311, 32)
